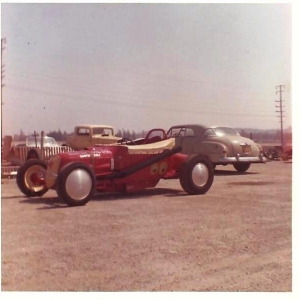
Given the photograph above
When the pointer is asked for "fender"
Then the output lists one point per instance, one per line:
(33, 153)
(215, 148)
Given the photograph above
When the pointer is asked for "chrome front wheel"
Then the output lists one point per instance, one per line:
(75, 184)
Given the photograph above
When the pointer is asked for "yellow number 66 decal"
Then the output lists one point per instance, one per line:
(159, 168)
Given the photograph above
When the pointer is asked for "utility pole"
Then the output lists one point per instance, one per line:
(279, 89)
(3, 41)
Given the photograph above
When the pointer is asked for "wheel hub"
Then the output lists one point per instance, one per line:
(200, 174)
(34, 178)
(78, 184)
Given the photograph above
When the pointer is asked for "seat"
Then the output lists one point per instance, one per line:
(152, 148)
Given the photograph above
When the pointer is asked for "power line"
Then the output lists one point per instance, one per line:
(3, 41)
(280, 111)
(132, 104)
(101, 91)
(137, 90)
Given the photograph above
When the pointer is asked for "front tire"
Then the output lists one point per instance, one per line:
(31, 178)
(75, 184)
(196, 175)
(242, 167)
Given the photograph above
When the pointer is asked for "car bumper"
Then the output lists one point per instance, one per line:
(230, 160)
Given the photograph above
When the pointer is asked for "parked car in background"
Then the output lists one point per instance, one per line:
(35, 141)
(221, 145)
(85, 136)
(35, 146)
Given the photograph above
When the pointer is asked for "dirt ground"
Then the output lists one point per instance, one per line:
(237, 237)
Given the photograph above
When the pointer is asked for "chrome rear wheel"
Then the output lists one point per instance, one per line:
(196, 175)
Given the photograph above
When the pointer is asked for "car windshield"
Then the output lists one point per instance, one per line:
(220, 131)
(32, 141)
(106, 131)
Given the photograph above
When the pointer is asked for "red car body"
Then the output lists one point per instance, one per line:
(114, 168)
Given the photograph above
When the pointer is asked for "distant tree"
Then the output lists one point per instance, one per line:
(130, 134)
(144, 133)
(65, 134)
(133, 135)
(243, 133)
(58, 135)
(119, 133)
(278, 135)
(123, 132)
(22, 136)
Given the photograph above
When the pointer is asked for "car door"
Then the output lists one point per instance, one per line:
(83, 139)
(188, 140)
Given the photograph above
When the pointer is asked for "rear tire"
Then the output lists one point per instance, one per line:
(31, 178)
(242, 167)
(75, 184)
(196, 175)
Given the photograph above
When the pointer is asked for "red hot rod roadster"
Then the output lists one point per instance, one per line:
(115, 168)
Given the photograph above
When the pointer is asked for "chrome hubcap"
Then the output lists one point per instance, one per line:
(78, 184)
(200, 174)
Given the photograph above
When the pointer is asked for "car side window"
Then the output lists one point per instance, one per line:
(208, 132)
(174, 132)
(107, 131)
(97, 130)
(189, 132)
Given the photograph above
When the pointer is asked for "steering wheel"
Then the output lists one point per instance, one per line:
(126, 141)
(151, 131)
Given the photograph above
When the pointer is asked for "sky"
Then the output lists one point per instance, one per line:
(142, 66)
